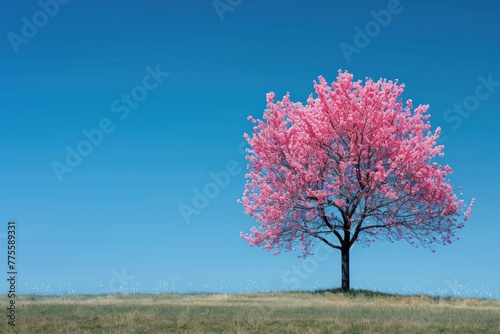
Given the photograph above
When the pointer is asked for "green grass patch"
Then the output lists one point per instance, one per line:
(325, 311)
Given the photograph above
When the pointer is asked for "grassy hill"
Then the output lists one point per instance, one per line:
(279, 312)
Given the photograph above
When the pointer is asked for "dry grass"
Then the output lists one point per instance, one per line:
(321, 312)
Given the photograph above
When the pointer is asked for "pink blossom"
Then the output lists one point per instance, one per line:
(355, 157)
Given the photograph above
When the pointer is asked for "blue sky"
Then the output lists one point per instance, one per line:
(112, 221)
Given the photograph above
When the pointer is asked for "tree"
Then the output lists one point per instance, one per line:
(352, 165)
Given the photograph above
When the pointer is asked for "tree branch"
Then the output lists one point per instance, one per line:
(327, 242)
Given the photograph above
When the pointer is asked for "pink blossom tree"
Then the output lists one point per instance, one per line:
(352, 165)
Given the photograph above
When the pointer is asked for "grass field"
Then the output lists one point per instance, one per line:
(280, 312)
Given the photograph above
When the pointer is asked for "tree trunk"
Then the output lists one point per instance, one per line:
(346, 281)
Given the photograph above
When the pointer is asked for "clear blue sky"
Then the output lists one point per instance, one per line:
(112, 221)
